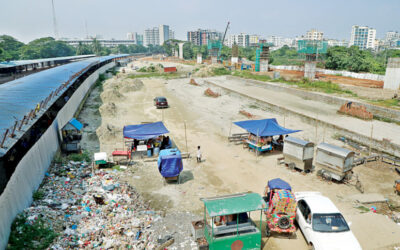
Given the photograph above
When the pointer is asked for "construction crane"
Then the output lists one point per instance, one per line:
(215, 46)
(54, 20)
(223, 40)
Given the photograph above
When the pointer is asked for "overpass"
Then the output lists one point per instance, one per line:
(33, 109)
(12, 70)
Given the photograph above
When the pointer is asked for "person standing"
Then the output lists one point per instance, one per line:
(198, 154)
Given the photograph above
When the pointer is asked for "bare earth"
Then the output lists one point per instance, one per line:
(228, 168)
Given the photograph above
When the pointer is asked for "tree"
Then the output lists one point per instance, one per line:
(96, 47)
(83, 49)
(10, 48)
(123, 49)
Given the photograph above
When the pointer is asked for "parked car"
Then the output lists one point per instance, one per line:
(161, 102)
(322, 224)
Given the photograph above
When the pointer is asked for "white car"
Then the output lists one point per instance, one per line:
(322, 224)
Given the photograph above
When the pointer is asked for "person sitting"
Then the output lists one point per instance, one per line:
(243, 218)
(231, 219)
(280, 139)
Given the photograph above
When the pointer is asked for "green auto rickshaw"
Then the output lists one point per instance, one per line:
(228, 223)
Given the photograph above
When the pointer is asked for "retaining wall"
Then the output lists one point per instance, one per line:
(368, 76)
(381, 146)
(30, 171)
(376, 110)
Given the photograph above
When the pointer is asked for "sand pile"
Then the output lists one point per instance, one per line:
(108, 133)
(207, 70)
(130, 85)
(111, 95)
(108, 109)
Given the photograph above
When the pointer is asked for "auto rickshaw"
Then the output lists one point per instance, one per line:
(228, 224)
(281, 207)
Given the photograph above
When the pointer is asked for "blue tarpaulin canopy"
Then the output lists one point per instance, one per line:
(170, 162)
(279, 184)
(145, 131)
(76, 124)
(265, 127)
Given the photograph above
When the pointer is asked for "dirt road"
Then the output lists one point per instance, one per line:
(227, 168)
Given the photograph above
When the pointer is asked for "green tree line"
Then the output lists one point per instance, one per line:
(47, 47)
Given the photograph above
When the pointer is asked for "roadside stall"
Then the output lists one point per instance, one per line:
(298, 153)
(334, 162)
(170, 164)
(261, 134)
(72, 135)
(146, 138)
(228, 224)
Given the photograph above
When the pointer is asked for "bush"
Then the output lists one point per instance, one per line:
(142, 69)
(221, 71)
(84, 156)
(38, 195)
(25, 235)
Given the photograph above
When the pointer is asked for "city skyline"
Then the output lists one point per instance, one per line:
(288, 18)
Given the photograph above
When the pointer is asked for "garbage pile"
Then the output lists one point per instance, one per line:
(93, 209)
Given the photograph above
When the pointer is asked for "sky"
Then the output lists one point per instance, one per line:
(30, 19)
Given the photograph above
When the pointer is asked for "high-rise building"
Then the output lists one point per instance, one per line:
(363, 37)
(130, 36)
(391, 38)
(334, 42)
(254, 40)
(201, 37)
(314, 34)
(138, 39)
(242, 40)
(157, 35)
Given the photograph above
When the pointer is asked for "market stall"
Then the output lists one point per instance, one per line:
(147, 138)
(261, 134)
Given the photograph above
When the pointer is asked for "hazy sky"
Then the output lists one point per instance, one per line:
(30, 19)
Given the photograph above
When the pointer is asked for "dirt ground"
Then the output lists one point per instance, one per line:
(227, 168)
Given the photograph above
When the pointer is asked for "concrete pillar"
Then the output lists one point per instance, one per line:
(214, 60)
(199, 58)
(392, 76)
(234, 60)
(176, 53)
(309, 70)
(181, 50)
(263, 65)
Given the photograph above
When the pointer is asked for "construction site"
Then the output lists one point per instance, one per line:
(145, 152)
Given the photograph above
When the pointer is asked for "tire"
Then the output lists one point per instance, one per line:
(284, 222)
(267, 231)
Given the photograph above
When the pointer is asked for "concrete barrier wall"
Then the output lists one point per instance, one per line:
(381, 146)
(367, 76)
(376, 110)
(31, 169)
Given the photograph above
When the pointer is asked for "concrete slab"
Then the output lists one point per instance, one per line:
(368, 198)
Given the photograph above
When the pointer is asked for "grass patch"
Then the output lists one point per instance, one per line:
(154, 74)
(391, 103)
(221, 71)
(30, 236)
(326, 87)
(363, 209)
(118, 168)
(84, 156)
(254, 106)
(385, 119)
(249, 75)
(38, 195)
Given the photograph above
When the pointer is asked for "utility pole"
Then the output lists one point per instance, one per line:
(54, 20)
